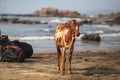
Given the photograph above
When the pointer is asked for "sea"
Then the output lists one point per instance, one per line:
(41, 36)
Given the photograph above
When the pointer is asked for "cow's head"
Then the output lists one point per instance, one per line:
(75, 27)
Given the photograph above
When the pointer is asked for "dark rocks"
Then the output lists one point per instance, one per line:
(68, 13)
(17, 20)
(53, 12)
(87, 21)
(115, 20)
(91, 37)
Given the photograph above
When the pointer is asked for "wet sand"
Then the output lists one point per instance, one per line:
(86, 65)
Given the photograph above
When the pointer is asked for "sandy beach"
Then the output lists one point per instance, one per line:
(86, 65)
(34, 22)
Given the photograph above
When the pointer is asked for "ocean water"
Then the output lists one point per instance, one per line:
(40, 36)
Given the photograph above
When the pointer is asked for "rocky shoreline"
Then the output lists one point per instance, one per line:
(111, 19)
(50, 12)
(17, 20)
(115, 21)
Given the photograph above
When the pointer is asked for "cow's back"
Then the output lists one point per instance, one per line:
(63, 36)
(59, 34)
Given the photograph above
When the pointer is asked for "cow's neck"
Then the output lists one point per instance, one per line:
(69, 38)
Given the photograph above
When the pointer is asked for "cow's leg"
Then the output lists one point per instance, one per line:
(63, 59)
(58, 56)
(70, 58)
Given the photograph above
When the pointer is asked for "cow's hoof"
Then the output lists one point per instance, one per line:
(58, 68)
(69, 72)
(62, 73)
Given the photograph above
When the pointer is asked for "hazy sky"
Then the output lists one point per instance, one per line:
(82, 6)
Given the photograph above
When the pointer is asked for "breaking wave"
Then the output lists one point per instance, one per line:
(33, 38)
(112, 35)
(99, 31)
(62, 20)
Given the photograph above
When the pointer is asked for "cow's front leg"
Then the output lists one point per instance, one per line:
(63, 59)
(70, 58)
(58, 56)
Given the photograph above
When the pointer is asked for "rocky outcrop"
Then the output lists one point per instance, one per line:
(17, 20)
(46, 12)
(67, 13)
(87, 21)
(90, 37)
(53, 12)
(114, 21)
(117, 20)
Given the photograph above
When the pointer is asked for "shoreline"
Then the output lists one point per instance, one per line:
(16, 19)
(86, 65)
(77, 51)
(46, 46)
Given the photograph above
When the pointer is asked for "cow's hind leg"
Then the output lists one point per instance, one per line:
(70, 58)
(63, 61)
(58, 56)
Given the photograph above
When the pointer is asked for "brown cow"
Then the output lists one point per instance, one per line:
(65, 37)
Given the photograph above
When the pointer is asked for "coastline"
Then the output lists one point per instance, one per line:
(91, 60)
(86, 65)
(46, 46)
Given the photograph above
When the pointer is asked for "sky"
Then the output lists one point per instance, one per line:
(82, 6)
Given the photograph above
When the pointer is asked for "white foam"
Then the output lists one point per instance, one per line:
(37, 38)
(99, 31)
(111, 35)
(57, 20)
(62, 20)
(114, 27)
(33, 38)
(46, 30)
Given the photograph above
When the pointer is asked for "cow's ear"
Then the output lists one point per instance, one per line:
(74, 21)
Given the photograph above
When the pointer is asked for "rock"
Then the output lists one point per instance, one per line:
(90, 37)
(117, 20)
(17, 20)
(53, 12)
(68, 13)
(46, 12)
(87, 21)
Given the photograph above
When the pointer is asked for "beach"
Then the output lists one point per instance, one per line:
(34, 22)
(86, 65)
(91, 60)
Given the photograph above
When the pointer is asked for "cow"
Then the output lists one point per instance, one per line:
(64, 37)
